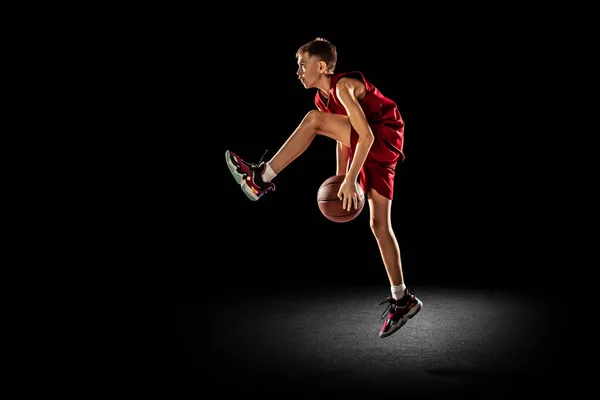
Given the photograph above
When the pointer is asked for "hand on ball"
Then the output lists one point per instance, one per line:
(348, 193)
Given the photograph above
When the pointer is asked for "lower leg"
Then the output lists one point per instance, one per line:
(390, 254)
(380, 210)
(295, 145)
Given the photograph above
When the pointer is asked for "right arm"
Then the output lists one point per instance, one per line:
(342, 156)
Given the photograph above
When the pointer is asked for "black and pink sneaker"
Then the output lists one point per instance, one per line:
(398, 312)
(248, 176)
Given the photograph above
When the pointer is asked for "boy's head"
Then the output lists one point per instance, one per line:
(321, 51)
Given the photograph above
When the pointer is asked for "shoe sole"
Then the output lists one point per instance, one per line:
(239, 178)
(414, 311)
(248, 191)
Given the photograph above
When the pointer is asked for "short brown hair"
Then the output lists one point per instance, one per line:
(323, 49)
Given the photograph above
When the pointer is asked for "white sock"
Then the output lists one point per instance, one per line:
(398, 291)
(268, 173)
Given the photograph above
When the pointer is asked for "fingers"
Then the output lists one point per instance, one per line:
(342, 198)
(354, 202)
(347, 203)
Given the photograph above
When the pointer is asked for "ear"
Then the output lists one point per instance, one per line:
(322, 66)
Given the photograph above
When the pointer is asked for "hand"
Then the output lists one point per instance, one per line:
(348, 193)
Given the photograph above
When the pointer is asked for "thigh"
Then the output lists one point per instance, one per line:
(335, 126)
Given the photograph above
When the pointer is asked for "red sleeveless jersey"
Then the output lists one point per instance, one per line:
(387, 125)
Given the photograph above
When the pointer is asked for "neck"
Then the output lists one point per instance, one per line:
(324, 84)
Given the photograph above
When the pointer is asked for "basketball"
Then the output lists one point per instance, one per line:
(331, 206)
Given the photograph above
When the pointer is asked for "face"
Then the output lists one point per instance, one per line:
(309, 70)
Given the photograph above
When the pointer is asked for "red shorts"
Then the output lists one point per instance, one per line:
(379, 169)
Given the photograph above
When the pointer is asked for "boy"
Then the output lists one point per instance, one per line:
(369, 131)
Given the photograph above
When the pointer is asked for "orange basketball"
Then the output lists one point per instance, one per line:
(331, 206)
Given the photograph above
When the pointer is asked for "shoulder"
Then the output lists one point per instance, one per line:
(353, 82)
(349, 82)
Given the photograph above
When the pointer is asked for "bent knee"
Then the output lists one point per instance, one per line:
(313, 119)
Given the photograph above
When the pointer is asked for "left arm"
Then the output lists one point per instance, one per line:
(346, 90)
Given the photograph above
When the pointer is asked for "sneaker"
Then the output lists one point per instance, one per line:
(248, 176)
(398, 312)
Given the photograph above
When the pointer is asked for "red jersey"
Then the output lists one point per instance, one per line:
(387, 125)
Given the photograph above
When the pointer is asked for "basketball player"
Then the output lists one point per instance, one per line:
(369, 131)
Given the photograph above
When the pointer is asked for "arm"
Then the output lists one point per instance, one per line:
(342, 155)
(347, 94)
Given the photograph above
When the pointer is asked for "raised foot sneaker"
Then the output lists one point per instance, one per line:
(248, 176)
